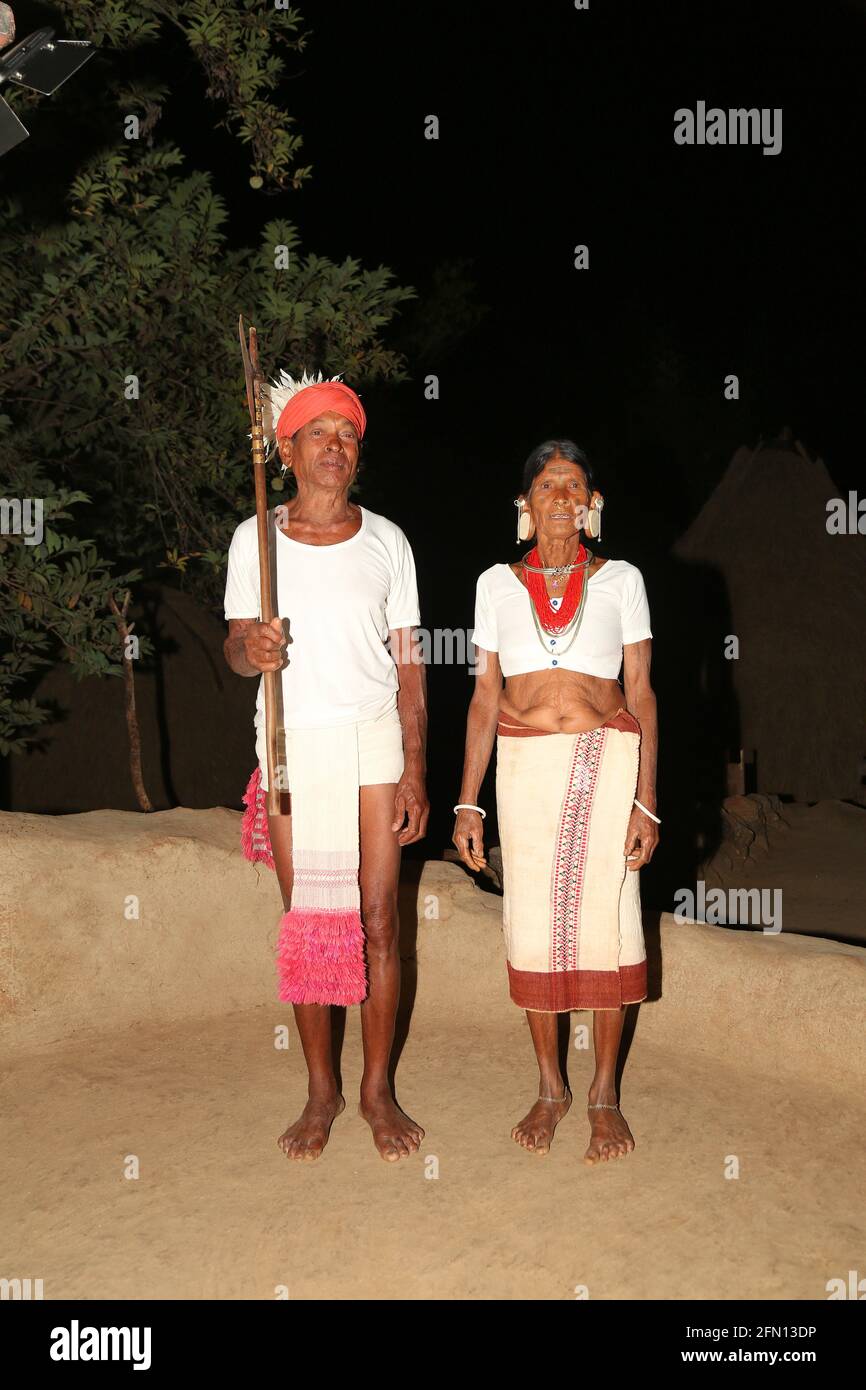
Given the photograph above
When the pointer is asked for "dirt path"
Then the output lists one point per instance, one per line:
(151, 1034)
(217, 1212)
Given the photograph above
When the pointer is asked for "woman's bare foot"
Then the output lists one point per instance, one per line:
(535, 1131)
(394, 1134)
(610, 1135)
(307, 1137)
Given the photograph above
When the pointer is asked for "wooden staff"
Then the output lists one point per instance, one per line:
(254, 379)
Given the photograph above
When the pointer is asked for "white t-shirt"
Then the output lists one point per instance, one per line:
(616, 613)
(340, 601)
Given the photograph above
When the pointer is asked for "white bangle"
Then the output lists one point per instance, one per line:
(464, 806)
(646, 812)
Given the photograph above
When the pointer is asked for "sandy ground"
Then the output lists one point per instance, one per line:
(151, 1038)
(218, 1212)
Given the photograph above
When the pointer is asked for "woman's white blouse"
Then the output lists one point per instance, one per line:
(616, 613)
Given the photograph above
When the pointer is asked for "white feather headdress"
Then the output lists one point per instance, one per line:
(276, 396)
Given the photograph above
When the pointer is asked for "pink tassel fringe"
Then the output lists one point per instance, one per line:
(320, 954)
(320, 958)
(255, 836)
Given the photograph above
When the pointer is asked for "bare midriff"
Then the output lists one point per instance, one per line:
(561, 702)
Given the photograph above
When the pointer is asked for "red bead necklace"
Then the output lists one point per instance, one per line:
(556, 620)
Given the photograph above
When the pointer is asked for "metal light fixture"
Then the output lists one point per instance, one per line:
(41, 63)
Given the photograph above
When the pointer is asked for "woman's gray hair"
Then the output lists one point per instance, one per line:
(543, 453)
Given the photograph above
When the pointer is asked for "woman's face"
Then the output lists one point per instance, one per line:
(559, 499)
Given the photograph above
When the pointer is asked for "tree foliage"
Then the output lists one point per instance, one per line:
(120, 367)
(121, 354)
(54, 598)
(237, 44)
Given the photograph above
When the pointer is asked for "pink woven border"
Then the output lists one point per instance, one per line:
(572, 844)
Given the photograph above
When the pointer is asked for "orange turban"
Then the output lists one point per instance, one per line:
(305, 405)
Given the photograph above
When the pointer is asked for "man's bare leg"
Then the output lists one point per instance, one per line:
(535, 1130)
(394, 1134)
(611, 1136)
(307, 1137)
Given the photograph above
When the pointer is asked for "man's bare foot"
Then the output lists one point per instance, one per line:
(394, 1134)
(535, 1131)
(307, 1137)
(610, 1135)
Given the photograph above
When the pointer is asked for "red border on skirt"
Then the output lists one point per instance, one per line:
(558, 991)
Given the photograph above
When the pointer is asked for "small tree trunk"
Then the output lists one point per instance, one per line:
(125, 630)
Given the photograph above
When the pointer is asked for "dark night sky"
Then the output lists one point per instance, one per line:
(557, 128)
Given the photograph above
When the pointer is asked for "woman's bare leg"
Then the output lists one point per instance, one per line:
(611, 1136)
(535, 1130)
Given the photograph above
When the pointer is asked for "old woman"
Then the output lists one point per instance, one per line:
(575, 781)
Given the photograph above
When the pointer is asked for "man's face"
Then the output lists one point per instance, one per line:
(559, 498)
(324, 452)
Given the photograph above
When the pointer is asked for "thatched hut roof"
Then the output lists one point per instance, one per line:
(797, 599)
